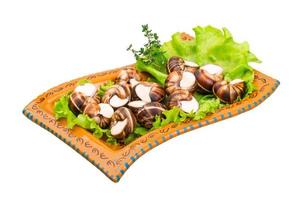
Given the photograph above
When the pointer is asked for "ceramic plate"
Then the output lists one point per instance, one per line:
(114, 161)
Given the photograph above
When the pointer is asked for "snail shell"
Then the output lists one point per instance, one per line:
(129, 73)
(175, 63)
(184, 100)
(148, 92)
(229, 92)
(87, 89)
(181, 80)
(123, 123)
(134, 106)
(101, 113)
(76, 102)
(117, 96)
(91, 100)
(106, 113)
(146, 115)
(80, 94)
(207, 76)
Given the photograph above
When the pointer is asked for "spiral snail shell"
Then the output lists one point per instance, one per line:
(207, 76)
(117, 96)
(129, 73)
(184, 100)
(148, 92)
(146, 115)
(229, 92)
(123, 123)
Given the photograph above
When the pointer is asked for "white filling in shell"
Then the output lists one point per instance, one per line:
(212, 69)
(87, 89)
(136, 104)
(143, 92)
(189, 106)
(118, 127)
(106, 110)
(188, 80)
(133, 82)
(235, 81)
(190, 63)
(116, 102)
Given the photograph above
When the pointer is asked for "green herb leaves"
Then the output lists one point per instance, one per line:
(150, 58)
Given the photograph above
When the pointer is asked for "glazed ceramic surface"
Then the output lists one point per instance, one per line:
(114, 161)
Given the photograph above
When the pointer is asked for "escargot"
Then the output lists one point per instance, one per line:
(207, 76)
(87, 89)
(117, 96)
(80, 94)
(176, 63)
(76, 102)
(181, 80)
(184, 100)
(146, 115)
(136, 105)
(101, 113)
(229, 92)
(126, 74)
(123, 123)
(148, 92)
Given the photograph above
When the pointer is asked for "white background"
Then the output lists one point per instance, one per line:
(44, 43)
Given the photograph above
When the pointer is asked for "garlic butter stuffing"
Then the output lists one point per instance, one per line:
(186, 78)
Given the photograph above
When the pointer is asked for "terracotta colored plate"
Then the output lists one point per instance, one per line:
(112, 161)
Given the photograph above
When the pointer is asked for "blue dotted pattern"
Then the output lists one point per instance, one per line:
(150, 145)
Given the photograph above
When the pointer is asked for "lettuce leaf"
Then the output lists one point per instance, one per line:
(62, 110)
(110, 139)
(174, 115)
(138, 131)
(208, 104)
(83, 81)
(103, 87)
(158, 72)
(90, 124)
(215, 46)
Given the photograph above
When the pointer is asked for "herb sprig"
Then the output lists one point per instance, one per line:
(151, 53)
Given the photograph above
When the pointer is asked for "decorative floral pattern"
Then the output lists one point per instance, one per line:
(114, 162)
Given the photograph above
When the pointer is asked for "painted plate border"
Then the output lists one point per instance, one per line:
(114, 163)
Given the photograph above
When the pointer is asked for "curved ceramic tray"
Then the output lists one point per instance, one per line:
(112, 161)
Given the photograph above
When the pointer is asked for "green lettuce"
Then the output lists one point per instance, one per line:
(138, 132)
(157, 71)
(103, 87)
(179, 46)
(208, 104)
(62, 110)
(214, 46)
(90, 124)
(83, 81)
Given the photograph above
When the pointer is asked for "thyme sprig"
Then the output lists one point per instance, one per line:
(151, 53)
